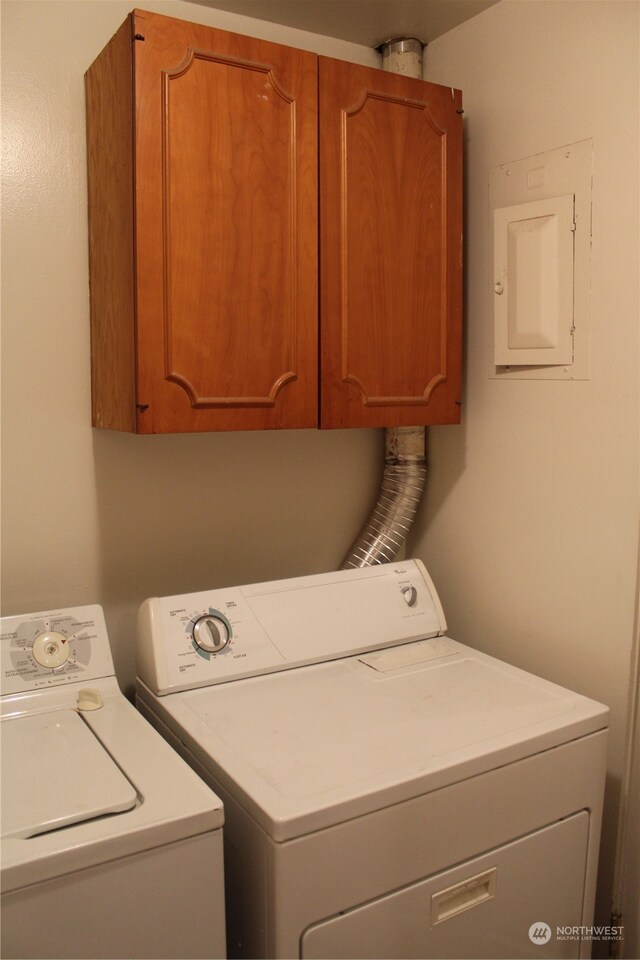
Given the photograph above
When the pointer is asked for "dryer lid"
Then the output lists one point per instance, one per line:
(307, 748)
(56, 773)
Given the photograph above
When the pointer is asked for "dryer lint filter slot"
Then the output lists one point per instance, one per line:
(410, 654)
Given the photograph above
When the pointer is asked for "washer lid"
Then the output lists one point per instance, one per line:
(55, 773)
(310, 747)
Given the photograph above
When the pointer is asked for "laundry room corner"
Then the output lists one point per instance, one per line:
(528, 532)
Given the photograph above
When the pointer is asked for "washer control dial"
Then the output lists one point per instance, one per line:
(210, 633)
(51, 649)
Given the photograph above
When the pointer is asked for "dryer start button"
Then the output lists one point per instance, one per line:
(410, 594)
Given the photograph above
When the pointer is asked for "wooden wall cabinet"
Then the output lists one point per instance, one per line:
(226, 175)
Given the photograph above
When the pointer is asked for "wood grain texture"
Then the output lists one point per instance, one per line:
(229, 220)
(226, 215)
(391, 228)
(109, 109)
(203, 204)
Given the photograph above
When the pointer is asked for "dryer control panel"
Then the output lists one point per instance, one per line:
(53, 648)
(227, 634)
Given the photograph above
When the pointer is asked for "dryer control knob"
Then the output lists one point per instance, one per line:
(211, 633)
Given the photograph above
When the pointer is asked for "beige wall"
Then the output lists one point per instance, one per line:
(92, 516)
(531, 518)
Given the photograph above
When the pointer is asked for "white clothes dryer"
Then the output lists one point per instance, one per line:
(111, 846)
(389, 792)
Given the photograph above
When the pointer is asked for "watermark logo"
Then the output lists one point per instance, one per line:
(602, 933)
(539, 933)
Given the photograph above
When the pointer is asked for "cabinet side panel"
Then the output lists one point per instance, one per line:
(390, 171)
(226, 199)
(109, 106)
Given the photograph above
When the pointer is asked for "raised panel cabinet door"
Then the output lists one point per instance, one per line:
(391, 248)
(226, 229)
(226, 212)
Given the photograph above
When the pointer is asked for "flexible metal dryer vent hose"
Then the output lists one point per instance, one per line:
(403, 482)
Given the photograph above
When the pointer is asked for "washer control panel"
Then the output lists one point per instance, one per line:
(53, 648)
(236, 632)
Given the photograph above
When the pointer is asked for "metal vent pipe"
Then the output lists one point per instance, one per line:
(405, 465)
(402, 55)
(403, 482)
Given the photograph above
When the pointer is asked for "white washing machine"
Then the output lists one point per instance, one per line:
(111, 846)
(388, 792)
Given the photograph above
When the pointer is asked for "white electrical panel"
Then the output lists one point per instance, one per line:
(541, 220)
(533, 285)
